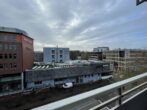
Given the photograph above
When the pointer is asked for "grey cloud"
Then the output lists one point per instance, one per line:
(77, 23)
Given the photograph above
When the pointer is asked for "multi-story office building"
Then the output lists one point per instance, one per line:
(16, 55)
(101, 49)
(55, 54)
(38, 56)
(127, 59)
(86, 55)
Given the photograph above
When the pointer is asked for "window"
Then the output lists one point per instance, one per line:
(10, 47)
(1, 66)
(53, 60)
(1, 38)
(6, 56)
(6, 46)
(14, 47)
(6, 66)
(12, 38)
(9, 37)
(53, 51)
(60, 79)
(10, 56)
(5, 37)
(61, 61)
(1, 46)
(61, 56)
(14, 56)
(38, 82)
(1, 56)
(10, 65)
(61, 51)
(14, 65)
(53, 56)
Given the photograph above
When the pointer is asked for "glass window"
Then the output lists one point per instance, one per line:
(6, 66)
(10, 46)
(1, 46)
(14, 65)
(38, 82)
(61, 51)
(1, 56)
(10, 56)
(61, 56)
(53, 56)
(6, 56)
(6, 46)
(5, 37)
(1, 37)
(10, 37)
(53, 51)
(14, 56)
(1, 66)
(10, 65)
(13, 38)
(14, 47)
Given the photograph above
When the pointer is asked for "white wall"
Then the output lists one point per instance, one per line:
(47, 53)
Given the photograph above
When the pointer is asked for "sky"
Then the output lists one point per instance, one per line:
(78, 24)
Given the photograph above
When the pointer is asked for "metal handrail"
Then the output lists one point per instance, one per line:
(93, 93)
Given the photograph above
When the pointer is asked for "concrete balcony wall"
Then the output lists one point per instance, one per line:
(137, 103)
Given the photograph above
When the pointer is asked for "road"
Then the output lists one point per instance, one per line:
(22, 101)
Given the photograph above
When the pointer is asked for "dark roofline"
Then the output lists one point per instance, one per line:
(102, 47)
(14, 30)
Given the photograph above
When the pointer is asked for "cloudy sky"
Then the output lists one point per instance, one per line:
(78, 24)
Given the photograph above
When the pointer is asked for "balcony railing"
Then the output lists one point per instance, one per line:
(110, 96)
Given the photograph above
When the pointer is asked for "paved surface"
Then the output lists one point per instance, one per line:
(21, 101)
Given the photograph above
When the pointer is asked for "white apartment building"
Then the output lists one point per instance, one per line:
(55, 54)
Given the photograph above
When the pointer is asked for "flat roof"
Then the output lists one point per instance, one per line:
(69, 64)
(14, 30)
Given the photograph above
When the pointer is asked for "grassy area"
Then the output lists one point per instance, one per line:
(124, 74)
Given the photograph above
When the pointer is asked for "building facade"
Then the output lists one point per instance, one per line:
(127, 59)
(44, 76)
(16, 55)
(55, 54)
(91, 55)
(101, 49)
(38, 56)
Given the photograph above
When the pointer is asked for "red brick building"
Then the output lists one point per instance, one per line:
(16, 55)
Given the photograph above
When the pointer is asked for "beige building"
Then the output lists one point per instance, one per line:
(126, 59)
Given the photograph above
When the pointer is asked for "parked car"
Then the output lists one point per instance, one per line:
(67, 85)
